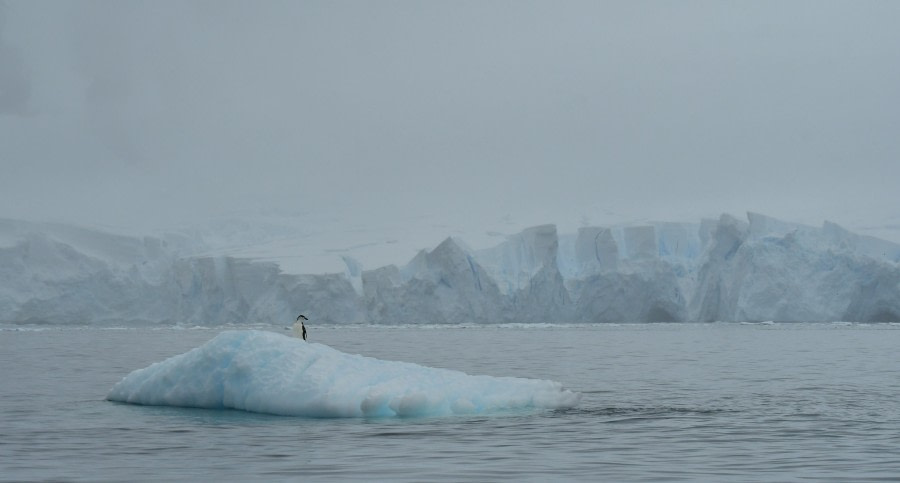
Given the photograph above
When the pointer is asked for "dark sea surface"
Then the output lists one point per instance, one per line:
(661, 402)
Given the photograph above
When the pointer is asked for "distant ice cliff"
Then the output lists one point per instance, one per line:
(716, 270)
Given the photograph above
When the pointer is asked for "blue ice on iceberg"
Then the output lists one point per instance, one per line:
(265, 372)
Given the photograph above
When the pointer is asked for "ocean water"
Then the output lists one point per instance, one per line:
(661, 402)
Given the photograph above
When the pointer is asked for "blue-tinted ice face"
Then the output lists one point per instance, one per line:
(270, 373)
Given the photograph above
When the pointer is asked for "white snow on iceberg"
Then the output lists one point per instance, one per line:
(271, 373)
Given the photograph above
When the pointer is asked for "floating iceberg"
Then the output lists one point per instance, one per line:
(265, 372)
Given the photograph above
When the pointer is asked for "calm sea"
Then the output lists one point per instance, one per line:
(662, 402)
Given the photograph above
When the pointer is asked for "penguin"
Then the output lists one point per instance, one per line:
(302, 328)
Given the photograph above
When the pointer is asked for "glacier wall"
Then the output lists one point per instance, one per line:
(728, 269)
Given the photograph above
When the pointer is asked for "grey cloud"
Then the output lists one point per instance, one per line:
(655, 109)
(15, 88)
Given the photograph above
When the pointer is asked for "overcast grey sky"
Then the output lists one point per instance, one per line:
(127, 112)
